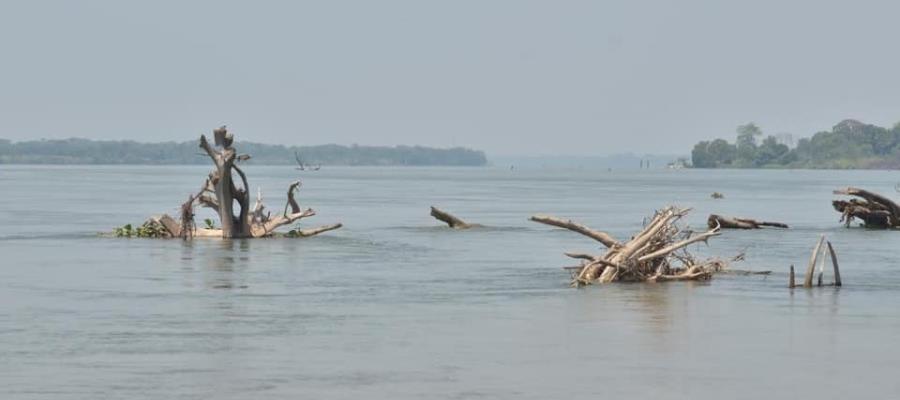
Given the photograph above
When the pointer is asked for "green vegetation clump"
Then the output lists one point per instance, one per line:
(148, 230)
(849, 145)
(84, 151)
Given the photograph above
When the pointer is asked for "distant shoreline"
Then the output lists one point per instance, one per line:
(100, 152)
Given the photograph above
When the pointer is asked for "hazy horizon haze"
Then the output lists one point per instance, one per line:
(506, 77)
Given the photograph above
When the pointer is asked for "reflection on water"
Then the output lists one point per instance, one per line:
(396, 306)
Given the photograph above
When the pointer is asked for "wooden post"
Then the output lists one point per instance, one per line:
(834, 262)
(791, 278)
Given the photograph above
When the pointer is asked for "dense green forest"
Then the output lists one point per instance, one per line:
(849, 144)
(84, 151)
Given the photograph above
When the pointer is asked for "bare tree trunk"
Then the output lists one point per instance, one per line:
(223, 185)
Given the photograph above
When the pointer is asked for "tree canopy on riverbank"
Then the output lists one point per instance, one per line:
(85, 151)
(849, 144)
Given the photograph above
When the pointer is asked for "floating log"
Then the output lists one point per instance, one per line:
(656, 254)
(740, 223)
(449, 219)
(717, 195)
(874, 210)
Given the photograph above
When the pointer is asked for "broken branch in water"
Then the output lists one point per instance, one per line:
(449, 219)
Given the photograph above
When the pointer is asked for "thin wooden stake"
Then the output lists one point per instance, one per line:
(811, 268)
(791, 278)
(834, 262)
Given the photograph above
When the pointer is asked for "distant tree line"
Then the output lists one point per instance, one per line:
(849, 144)
(84, 151)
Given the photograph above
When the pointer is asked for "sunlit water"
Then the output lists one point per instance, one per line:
(395, 306)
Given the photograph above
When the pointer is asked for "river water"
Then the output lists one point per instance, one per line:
(394, 306)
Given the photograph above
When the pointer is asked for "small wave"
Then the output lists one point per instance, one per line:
(476, 228)
(43, 236)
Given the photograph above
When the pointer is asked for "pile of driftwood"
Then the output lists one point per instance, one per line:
(656, 253)
(874, 210)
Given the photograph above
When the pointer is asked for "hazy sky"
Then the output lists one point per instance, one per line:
(508, 77)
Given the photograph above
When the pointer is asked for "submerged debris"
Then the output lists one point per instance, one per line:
(874, 210)
(450, 219)
(818, 253)
(655, 254)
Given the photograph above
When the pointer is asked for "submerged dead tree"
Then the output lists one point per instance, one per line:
(450, 219)
(818, 254)
(230, 199)
(874, 210)
(655, 254)
(740, 223)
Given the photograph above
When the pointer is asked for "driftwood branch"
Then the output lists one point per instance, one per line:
(450, 219)
(599, 236)
(318, 230)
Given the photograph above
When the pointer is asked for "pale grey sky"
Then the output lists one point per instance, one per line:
(508, 77)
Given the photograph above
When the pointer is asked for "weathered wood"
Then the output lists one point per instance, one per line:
(791, 278)
(655, 254)
(318, 230)
(220, 193)
(601, 237)
(834, 263)
(810, 269)
(876, 211)
(740, 223)
(449, 219)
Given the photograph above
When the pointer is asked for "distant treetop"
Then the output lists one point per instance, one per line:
(849, 144)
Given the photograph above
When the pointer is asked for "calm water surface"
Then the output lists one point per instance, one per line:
(394, 306)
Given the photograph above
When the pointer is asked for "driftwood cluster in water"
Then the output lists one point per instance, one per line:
(221, 193)
(874, 210)
(657, 253)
